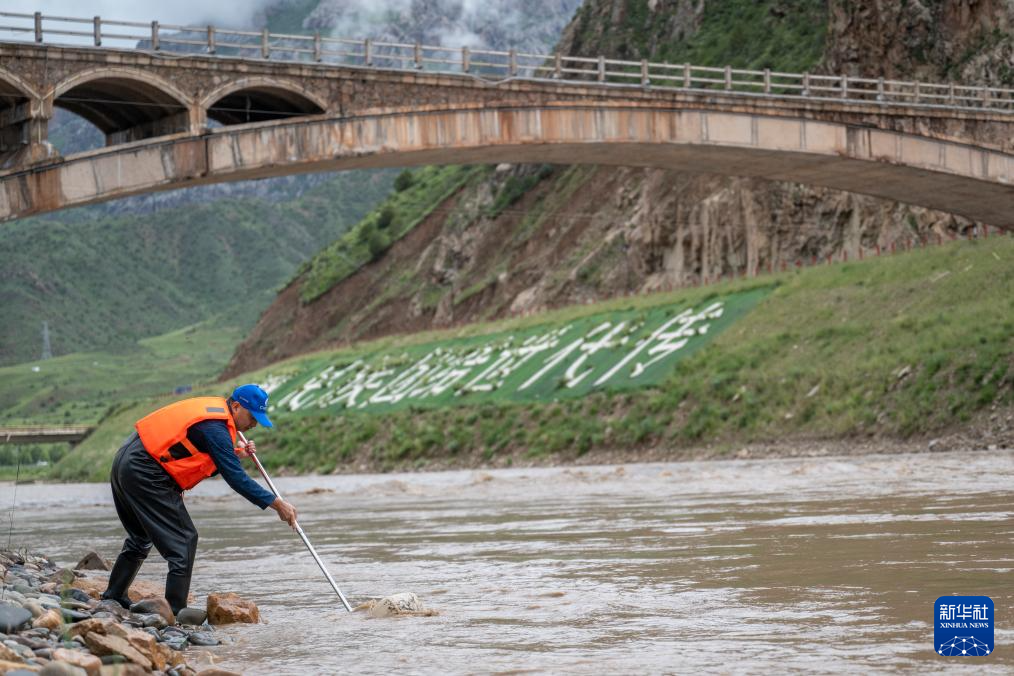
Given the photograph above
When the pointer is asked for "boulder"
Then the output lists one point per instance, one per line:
(89, 663)
(229, 607)
(13, 617)
(51, 619)
(92, 561)
(154, 604)
(114, 645)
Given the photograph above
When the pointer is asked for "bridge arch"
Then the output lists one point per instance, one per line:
(14, 90)
(958, 178)
(260, 99)
(125, 104)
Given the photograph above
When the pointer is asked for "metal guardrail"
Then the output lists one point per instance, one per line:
(500, 65)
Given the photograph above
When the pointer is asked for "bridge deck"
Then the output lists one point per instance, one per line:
(44, 434)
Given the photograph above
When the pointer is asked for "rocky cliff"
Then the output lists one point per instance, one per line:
(571, 235)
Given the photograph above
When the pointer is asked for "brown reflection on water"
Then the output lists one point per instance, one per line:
(723, 566)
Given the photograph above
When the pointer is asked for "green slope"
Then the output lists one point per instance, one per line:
(893, 346)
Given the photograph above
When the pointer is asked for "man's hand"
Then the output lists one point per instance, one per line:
(247, 451)
(286, 512)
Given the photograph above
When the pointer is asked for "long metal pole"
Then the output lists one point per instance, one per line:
(306, 540)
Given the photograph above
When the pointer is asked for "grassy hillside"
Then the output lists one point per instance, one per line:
(103, 283)
(894, 347)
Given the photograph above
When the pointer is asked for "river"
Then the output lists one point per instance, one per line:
(801, 565)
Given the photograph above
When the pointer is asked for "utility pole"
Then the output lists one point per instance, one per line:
(47, 350)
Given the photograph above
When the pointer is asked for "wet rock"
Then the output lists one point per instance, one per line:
(64, 576)
(176, 642)
(43, 652)
(215, 671)
(52, 619)
(154, 604)
(229, 607)
(12, 617)
(89, 663)
(405, 603)
(62, 669)
(192, 616)
(203, 638)
(92, 561)
(149, 620)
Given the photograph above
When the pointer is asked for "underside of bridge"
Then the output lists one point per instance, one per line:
(261, 104)
(14, 113)
(125, 109)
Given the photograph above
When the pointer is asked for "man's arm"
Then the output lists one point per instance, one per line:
(212, 437)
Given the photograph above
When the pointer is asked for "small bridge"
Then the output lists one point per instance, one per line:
(44, 434)
(183, 106)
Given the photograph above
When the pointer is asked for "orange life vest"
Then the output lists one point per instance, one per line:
(164, 435)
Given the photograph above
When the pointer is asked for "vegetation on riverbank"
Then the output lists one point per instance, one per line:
(892, 347)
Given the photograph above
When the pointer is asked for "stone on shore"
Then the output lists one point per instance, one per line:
(192, 616)
(51, 619)
(89, 663)
(8, 667)
(8, 655)
(114, 645)
(12, 617)
(92, 561)
(215, 671)
(154, 604)
(62, 669)
(229, 607)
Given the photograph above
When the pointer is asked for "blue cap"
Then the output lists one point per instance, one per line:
(254, 399)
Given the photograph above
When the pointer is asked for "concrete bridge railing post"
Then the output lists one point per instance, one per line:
(558, 65)
(97, 31)
(686, 76)
(767, 80)
(417, 56)
(265, 44)
(38, 27)
(211, 39)
(645, 80)
(154, 36)
(466, 60)
(317, 54)
(367, 52)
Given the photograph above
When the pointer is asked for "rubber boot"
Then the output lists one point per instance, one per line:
(120, 578)
(177, 589)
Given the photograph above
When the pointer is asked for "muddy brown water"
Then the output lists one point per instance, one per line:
(815, 566)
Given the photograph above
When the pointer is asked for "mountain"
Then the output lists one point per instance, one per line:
(107, 281)
(518, 239)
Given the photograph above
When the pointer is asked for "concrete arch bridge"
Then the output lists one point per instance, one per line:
(179, 120)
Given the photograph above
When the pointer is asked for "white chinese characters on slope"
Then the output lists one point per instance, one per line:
(489, 367)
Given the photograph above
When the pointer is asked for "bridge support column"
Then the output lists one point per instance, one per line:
(24, 133)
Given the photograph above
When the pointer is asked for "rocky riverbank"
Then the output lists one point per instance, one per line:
(53, 623)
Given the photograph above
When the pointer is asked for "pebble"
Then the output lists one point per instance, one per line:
(74, 615)
(76, 594)
(12, 617)
(191, 616)
(203, 638)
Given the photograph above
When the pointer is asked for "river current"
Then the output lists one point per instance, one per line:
(823, 565)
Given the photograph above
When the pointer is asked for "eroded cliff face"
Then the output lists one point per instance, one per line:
(588, 233)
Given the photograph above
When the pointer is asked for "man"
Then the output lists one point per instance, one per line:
(172, 450)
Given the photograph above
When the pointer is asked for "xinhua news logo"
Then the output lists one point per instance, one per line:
(963, 626)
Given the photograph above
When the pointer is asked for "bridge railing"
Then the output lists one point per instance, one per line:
(495, 65)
